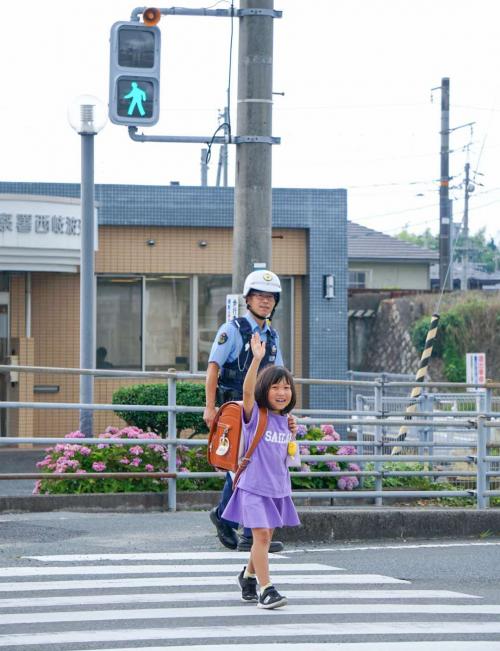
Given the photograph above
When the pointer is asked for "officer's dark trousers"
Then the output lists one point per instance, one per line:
(227, 491)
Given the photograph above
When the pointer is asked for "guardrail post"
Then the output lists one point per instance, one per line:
(359, 432)
(481, 481)
(172, 447)
(378, 392)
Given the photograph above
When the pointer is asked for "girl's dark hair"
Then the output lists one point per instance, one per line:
(273, 375)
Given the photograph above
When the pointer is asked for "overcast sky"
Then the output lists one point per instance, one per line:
(356, 114)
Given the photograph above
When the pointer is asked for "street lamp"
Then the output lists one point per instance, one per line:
(87, 116)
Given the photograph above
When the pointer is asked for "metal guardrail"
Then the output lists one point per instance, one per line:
(480, 423)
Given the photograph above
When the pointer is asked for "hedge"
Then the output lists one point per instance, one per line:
(188, 393)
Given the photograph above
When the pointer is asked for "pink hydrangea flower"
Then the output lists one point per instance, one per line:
(135, 462)
(98, 466)
(149, 468)
(36, 488)
(125, 461)
(75, 435)
(87, 451)
(136, 450)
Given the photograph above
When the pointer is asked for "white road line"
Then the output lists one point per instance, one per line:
(328, 646)
(155, 569)
(363, 548)
(336, 629)
(287, 579)
(160, 556)
(186, 597)
(238, 610)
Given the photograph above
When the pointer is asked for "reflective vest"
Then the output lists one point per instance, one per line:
(232, 374)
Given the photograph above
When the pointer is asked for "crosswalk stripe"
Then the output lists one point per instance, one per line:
(147, 556)
(329, 646)
(287, 579)
(155, 569)
(336, 629)
(180, 597)
(246, 611)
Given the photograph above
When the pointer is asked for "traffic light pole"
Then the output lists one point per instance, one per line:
(252, 192)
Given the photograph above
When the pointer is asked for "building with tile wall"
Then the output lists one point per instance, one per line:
(163, 267)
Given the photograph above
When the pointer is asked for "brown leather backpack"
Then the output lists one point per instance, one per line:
(225, 440)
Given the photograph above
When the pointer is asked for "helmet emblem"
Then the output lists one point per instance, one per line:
(267, 276)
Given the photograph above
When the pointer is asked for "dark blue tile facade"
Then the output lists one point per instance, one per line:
(322, 212)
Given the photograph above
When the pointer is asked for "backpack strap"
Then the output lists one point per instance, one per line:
(261, 426)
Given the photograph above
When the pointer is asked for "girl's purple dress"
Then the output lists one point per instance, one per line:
(263, 495)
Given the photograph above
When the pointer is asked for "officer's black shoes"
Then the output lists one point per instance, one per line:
(271, 598)
(248, 587)
(245, 545)
(225, 534)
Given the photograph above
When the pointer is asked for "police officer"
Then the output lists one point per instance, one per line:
(228, 364)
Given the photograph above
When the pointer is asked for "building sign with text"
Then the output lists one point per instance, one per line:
(40, 233)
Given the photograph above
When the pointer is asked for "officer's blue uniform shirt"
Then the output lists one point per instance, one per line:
(228, 342)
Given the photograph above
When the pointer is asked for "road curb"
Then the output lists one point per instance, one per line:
(319, 524)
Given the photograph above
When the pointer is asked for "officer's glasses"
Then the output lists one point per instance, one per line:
(264, 296)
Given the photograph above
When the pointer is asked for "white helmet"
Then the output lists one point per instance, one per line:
(262, 280)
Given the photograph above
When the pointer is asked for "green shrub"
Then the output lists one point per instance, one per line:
(459, 332)
(188, 393)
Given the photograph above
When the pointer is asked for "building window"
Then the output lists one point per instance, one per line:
(148, 323)
(167, 323)
(357, 279)
(118, 336)
(212, 292)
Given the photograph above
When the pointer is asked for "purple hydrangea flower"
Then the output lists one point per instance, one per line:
(301, 431)
(346, 450)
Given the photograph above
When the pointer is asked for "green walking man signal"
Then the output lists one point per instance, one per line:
(134, 74)
(136, 96)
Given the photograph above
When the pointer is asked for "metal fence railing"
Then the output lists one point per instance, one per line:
(441, 435)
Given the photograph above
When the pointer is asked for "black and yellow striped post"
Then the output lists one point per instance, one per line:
(420, 377)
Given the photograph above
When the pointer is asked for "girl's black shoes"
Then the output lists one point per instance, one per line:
(248, 587)
(271, 598)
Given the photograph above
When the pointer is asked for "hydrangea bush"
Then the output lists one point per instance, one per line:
(325, 432)
(74, 458)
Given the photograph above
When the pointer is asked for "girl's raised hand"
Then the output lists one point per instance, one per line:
(258, 347)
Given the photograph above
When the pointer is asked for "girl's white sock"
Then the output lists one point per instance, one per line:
(248, 575)
(265, 587)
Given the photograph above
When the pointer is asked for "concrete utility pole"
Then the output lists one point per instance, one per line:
(465, 258)
(445, 277)
(252, 194)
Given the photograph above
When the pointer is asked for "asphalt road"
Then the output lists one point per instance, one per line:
(65, 584)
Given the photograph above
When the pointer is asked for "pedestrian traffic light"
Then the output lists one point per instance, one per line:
(134, 74)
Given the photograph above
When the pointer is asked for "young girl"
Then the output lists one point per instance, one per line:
(262, 499)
